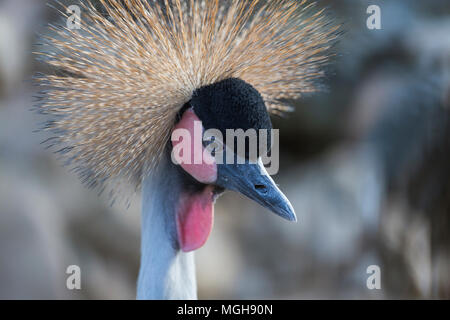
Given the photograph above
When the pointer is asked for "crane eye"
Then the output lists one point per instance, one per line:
(213, 145)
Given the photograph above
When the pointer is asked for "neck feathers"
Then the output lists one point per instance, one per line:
(166, 272)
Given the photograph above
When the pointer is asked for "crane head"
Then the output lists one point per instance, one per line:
(231, 104)
(136, 71)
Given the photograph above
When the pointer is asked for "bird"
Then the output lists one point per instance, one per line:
(138, 70)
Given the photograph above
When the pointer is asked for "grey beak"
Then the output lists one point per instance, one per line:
(253, 181)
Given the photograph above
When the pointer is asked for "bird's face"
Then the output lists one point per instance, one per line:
(229, 104)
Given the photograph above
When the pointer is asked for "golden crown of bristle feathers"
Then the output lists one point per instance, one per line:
(128, 72)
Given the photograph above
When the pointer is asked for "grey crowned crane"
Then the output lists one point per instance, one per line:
(137, 70)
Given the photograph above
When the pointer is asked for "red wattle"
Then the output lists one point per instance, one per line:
(195, 217)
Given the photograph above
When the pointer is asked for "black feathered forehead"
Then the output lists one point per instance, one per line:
(231, 104)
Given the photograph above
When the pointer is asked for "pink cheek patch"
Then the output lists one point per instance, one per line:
(199, 164)
(195, 215)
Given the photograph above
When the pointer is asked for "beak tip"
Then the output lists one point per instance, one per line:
(292, 217)
(283, 208)
(290, 212)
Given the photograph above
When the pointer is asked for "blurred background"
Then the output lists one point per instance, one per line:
(365, 163)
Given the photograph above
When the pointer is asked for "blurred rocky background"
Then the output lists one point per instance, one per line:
(366, 164)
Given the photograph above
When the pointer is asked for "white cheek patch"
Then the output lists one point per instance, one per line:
(188, 150)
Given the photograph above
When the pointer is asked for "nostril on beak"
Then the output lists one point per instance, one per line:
(260, 187)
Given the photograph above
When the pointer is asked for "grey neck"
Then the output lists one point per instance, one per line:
(166, 272)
